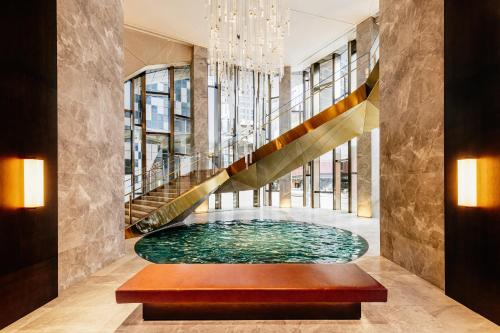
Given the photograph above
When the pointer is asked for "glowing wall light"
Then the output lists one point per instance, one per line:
(33, 183)
(467, 182)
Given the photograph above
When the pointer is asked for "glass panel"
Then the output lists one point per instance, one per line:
(126, 95)
(137, 101)
(227, 121)
(245, 113)
(325, 97)
(326, 180)
(182, 88)
(343, 157)
(157, 81)
(157, 151)
(341, 79)
(275, 119)
(307, 97)
(354, 175)
(157, 113)
(182, 144)
(354, 77)
(226, 200)
(297, 98)
(128, 152)
(275, 86)
(212, 99)
(325, 71)
(297, 187)
(138, 159)
(246, 199)
(182, 126)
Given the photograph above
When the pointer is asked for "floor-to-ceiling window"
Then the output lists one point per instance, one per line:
(246, 110)
(157, 142)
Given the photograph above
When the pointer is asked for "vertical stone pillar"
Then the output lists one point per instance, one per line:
(411, 136)
(285, 182)
(199, 101)
(367, 190)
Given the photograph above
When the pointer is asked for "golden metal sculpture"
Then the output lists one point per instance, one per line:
(343, 121)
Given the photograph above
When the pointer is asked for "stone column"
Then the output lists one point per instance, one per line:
(367, 191)
(411, 136)
(199, 100)
(285, 182)
(90, 136)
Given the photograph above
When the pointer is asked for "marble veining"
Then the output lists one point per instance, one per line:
(411, 136)
(90, 136)
(366, 33)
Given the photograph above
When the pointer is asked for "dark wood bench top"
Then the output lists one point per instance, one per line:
(172, 283)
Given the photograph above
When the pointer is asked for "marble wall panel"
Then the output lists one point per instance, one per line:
(411, 136)
(90, 136)
(366, 33)
(285, 95)
(199, 74)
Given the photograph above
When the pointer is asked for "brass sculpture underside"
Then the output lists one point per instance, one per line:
(343, 121)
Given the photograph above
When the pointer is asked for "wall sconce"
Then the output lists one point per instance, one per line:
(33, 183)
(467, 182)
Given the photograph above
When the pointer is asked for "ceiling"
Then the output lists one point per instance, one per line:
(317, 27)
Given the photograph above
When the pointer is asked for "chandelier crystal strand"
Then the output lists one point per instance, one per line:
(247, 35)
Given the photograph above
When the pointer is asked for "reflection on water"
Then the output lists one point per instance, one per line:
(252, 241)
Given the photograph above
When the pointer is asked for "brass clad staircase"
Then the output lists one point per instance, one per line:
(175, 199)
(343, 121)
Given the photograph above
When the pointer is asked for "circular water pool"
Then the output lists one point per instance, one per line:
(251, 241)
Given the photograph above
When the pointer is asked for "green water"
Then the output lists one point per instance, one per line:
(252, 241)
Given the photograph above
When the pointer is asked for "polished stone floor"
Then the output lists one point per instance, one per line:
(414, 305)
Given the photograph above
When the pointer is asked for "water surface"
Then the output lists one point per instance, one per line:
(252, 241)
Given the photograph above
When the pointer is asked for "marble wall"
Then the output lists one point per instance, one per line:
(199, 96)
(366, 33)
(143, 49)
(411, 136)
(199, 101)
(285, 95)
(90, 136)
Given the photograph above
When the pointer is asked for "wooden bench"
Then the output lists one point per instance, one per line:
(251, 291)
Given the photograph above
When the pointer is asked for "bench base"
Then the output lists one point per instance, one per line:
(250, 311)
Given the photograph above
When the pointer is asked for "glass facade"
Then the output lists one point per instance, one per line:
(243, 114)
(158, 139)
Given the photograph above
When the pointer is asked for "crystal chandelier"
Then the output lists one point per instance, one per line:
(248, 35)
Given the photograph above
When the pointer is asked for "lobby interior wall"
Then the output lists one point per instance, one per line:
(411, 136)
(90, 136)
(472, 130)
(142, 49)
(28, 127)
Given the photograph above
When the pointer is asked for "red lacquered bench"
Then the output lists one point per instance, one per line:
(251, 291)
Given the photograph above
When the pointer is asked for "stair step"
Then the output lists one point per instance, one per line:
(141, 207)
(160, 194)
(157, 198)
(127, 219)
(136, 213)
(169, 193)
(148, 203)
